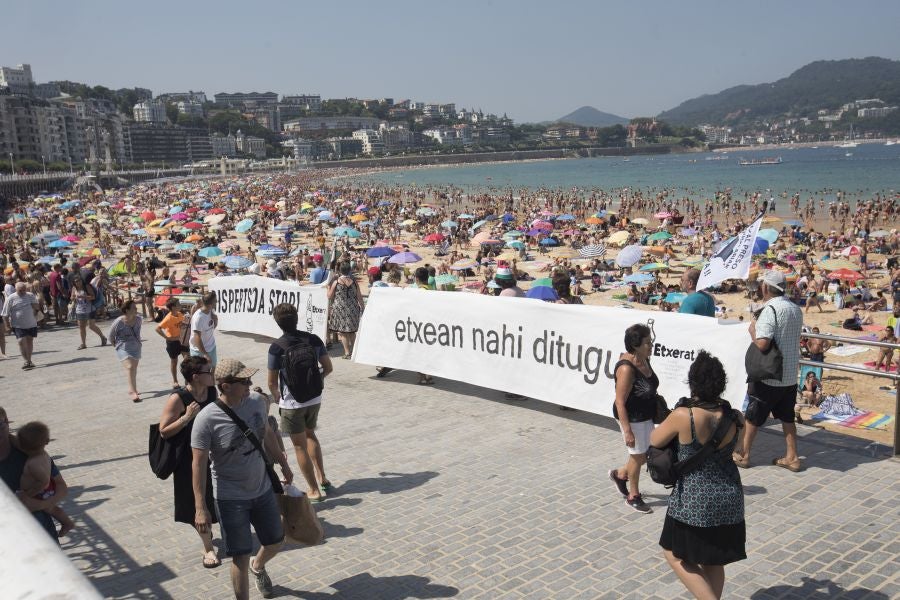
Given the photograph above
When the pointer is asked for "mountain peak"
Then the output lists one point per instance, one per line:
(588, 116)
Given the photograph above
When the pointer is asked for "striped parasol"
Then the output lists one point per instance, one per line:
(592, 251)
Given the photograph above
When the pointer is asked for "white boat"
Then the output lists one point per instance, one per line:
(890, 143)
(760, 161)
(848, 154)
(850, 143)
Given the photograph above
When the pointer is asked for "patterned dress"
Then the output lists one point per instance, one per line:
(345, 310)
(705, 521)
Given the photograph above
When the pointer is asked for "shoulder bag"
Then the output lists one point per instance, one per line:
(248, 433)
(165, 454)
(764, 365)
(663, 464)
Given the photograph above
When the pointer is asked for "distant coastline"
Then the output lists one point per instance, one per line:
(828, 144)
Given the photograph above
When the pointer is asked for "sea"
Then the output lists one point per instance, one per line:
(813, 172)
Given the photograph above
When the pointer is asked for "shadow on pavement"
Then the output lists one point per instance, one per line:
(816, 589)
(333, 530)
(386, 483)
(102, 560)
(366, 587)
(65, 362)
(332, 502)
(818, 448)
(91, 463)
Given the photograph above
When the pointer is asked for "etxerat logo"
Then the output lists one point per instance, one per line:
(664, 351)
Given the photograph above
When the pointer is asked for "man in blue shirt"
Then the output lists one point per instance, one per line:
(696, 303)
(319, 274)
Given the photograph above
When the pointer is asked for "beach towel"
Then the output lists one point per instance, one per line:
(869, 337)
(848, 350)
(871, 365)
(863, 420)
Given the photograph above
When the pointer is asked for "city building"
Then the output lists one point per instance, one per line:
(328, 123)
(190, 96)
(449, 136)
(341, 147)
(715, 135)
(310, 102)
(396, 136)
(248, 144)
(879, 111)
(371, 141)
(156, 143)
(150, 111)
(192, 108)
(240, 99)
(265, 116)
(301, 149)
(223, 145)
(17, 80)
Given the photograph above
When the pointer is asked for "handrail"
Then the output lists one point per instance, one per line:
(895, 377)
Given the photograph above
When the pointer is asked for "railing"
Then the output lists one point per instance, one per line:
(895, 377)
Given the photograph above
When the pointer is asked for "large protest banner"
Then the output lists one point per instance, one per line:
(732, 260)
(554, 352)
(246, 303)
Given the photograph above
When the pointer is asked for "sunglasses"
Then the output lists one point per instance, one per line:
(244, 381)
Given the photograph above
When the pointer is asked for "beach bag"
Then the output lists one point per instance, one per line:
(764, 365)
(300, 366)
(165, 454)
(663, 464)
(301, 524)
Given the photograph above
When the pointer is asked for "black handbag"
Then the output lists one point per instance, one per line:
(662, 410)
(164, 453)
(248, 433)
(764, 365)
(663, 464)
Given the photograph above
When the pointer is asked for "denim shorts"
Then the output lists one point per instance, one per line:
(236, 516)
(213, 357)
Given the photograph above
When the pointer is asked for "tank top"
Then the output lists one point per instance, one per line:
(641, 402)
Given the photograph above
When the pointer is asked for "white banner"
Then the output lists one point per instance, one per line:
(560, 353)
(245, 303)
(732, 260)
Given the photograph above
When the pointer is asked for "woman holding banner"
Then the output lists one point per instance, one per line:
(636, 386)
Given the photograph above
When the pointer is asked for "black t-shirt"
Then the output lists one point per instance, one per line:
(11, 469)
(641, 402)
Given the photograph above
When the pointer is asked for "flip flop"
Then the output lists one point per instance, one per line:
(211, 563)
(740, 461)
(794, 467)
(316, 500)
(326, 486)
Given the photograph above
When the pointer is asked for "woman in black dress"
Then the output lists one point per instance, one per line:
(704, 528)
(176, 422)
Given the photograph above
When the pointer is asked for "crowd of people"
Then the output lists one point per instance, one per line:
(147, 253)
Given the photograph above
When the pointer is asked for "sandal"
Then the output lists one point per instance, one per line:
(211, 562)
(81, 347)
(741, 461)
(794, 467)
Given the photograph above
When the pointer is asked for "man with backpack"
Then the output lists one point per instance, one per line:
(296, 383)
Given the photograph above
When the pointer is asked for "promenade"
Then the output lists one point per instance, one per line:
(445, 491)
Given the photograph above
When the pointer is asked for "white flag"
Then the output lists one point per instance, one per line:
(732, 260)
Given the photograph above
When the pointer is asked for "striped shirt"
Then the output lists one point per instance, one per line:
(786, 333)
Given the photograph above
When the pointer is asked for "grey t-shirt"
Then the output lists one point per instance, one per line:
(20, 310)
(238, 469)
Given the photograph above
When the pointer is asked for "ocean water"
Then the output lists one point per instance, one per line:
(813, 172)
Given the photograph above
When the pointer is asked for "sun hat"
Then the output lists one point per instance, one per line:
(774, 279)
(231, 368)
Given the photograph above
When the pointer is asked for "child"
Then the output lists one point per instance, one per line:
(36, 482)
(885, 354)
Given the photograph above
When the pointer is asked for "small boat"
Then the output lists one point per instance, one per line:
(890, 143)
(850, 143)
(760, 161)
(848, 154)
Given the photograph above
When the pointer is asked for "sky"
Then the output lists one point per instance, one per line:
(535, 61)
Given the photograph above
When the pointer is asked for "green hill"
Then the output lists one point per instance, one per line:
(588, 116)
(824, 84)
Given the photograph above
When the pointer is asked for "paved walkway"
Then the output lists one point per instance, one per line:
(447, 491)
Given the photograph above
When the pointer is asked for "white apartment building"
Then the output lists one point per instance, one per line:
(17, 80)
(715, 135)
(191, 108)
(446, 136)
(248, 144)
(880, 111)
(150, 111)
(371, 141)
(324, 123)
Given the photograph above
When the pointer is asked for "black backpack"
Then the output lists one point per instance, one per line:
(300, 366)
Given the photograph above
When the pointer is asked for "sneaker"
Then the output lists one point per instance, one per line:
(638, 504)
(263, 582)
(621, 484)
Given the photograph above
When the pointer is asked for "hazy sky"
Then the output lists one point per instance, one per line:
(534, 60)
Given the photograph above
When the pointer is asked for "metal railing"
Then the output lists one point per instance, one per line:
(895, 377)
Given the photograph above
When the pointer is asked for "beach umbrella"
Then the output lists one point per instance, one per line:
(542, 282)
(517, 245)
(325, 216)
(770, 235)
(362, 208)
(449, 225)
(549, 242)
(592, 251)
(59, 244)
(619, 237)
(402, 258)
(479, 224)
(654, 266)
(193, 225)
(547, 294)
(848, 251)
(535, 232)
(409, 222)
(693, 261)
(99, 252)
(148, 215)
(236, 262)
(214, 219)
(640, 221)
(675, 297)
(515, 233)
(244, 226)
(217, 211)
(184, 246)
(846, 275)
(760, 246)
(484, 235)
(210, 252)
(507, 218)
(358, 217)
(629, 256)
(380, 251)
(446, 279)
(565, 217)
(659, 236)
(464, 264)
(181, 216)
(542, 225)
(639, 278)
(175, 210)
(466, 216)
(832, 264)
(146, 244)
(433, 238)
(228, 244)
(194, 237)
(346, 231)
(593, 220)
(137, 232)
